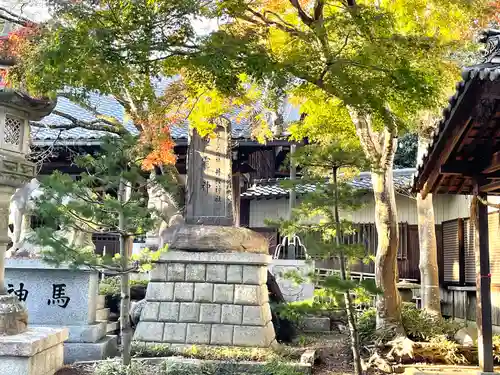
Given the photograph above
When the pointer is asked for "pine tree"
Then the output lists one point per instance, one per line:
(109, 197)
(318, 220)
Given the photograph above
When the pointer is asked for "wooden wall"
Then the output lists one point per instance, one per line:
(446, 207)
(408, 252)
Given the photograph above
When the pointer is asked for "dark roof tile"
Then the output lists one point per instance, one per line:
(271, 188)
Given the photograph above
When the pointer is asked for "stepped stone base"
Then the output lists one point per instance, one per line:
(90, 333)
(208, 298)
(38, 351)
(105, 348)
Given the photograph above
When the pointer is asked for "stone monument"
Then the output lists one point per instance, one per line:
(210, 287)
(23, 350)
(63, 297)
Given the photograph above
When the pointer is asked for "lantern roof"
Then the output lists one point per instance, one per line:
(35, 108)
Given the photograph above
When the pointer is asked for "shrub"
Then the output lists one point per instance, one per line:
(418, 325)
(447, 351)
(223, 353)
(496, 348)
(367, 325)
(117, 368)
(421, 326)
(297, 311)
(110, 286)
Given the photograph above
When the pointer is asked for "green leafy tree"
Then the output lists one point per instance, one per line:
(318, 221)
(368, 65)
(107, 198)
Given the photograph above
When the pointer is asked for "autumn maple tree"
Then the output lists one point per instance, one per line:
(369, 66)
(372, 66)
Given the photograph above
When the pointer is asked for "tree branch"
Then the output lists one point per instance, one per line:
(388, 142)
(15, 18)
(268, 22)
(318, 10)
(303, 15)
(99, 124)
(369, 143)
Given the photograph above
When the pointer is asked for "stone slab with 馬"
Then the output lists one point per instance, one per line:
(59, 297)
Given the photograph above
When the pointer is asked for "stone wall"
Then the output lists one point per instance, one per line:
(208, 299)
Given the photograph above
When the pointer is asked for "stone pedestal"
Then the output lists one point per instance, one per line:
(208, 298)
(289, 288)
(37, 351)
(62, 297)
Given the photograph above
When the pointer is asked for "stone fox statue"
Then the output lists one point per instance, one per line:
(165, 206)
(22, 206)
(21, 203)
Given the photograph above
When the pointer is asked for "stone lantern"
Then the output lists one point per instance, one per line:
(16, 111)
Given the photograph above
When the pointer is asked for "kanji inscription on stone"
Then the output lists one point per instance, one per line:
(209, 177)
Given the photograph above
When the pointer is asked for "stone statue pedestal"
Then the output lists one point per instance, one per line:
(209, 289)
(37, 351)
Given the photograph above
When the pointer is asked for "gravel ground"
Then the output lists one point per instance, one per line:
(335, 354)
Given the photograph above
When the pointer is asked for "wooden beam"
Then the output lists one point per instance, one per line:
(490, 187)
(448, 147)
(461, 186)
(445, 136)
(483, 287)
(494, 164)
(450, 183)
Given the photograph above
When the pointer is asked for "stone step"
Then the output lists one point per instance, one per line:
(113, 327)
(102, 315)
(316, 324)
(105, 348)
(100, 302)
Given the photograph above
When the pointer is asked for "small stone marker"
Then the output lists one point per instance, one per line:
(209, 176)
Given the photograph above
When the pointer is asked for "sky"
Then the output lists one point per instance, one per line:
(35, 10)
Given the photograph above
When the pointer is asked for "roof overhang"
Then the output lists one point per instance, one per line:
(464, 154)
(35, 109)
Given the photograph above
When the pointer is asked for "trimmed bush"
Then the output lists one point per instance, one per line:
(418, 325)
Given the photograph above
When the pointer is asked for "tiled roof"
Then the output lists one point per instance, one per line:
(105, 105)
(271, 188)
(487, 71)
(109, 106)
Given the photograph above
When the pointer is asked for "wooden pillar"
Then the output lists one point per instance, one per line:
(483, 284)
(461, 251)
(236, 199)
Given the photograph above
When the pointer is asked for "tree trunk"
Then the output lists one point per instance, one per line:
(429, 272)
(386, 266)
(125, 329)
(351, 318)
(380, 148)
